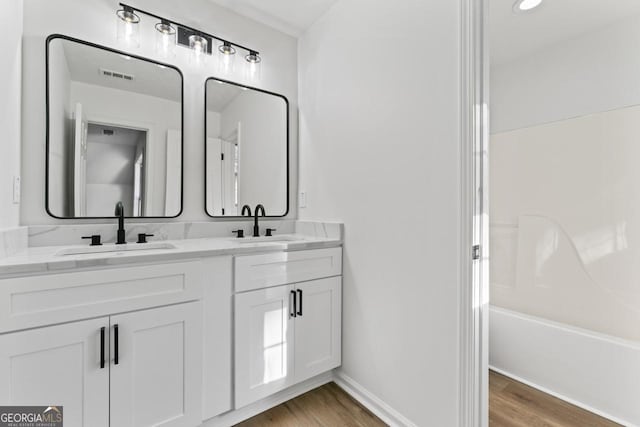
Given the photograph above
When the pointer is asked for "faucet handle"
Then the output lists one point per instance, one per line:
(95, 239)
(142, 237)
(240, 233)
(269, 230)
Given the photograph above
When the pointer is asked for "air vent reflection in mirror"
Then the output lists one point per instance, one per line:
(116, 74)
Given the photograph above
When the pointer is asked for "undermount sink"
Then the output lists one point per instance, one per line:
(268, 239)
(129, 247)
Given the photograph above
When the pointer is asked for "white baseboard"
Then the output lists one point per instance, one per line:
(373, 403)
(596, 372)
(234, 417)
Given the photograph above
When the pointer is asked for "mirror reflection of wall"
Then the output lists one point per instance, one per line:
(247, 148)
(114, 133)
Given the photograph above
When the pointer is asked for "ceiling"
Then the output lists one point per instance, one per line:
(220, 94)
(85, 62)
(292, 17)
(513, 35)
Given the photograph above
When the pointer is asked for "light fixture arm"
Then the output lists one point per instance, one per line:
(196, 31)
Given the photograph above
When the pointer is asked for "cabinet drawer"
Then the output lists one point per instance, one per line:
(42, 300)
(279, 268)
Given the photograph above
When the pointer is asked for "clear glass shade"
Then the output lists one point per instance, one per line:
(253, 67)
(199, 46)
(165, 39)
(226, 58)
(128, 31)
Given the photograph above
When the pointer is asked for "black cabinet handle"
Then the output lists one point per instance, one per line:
(102, 348)
(300, 306)
(293, 312)
(115, 344)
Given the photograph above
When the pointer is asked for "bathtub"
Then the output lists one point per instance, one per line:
(594, 371)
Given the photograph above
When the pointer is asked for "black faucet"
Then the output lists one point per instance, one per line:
(246, 209)
(120, 239)
(256, 228)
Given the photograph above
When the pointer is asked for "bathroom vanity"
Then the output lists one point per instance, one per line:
(172, 330)
(172, 336)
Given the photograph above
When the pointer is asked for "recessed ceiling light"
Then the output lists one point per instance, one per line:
(525, 5)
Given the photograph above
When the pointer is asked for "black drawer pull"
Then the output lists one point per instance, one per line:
(115, 344)
(300, 303)
(102, 348)
(292, 313)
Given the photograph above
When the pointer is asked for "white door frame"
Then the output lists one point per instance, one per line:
(474, 309)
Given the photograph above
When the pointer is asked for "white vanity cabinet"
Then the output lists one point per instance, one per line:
(285, 333)
(137, 363)
(58, 365)
(264, 343)
(137, 369)
(318, 327)
(158, 378)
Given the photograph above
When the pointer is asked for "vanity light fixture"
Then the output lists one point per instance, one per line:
(227, 57)
(253, 66)
(199, 45)
(128, 26)
(226, 49)
(253, 57)
(525, 5)
(171, 33)
(165, 38)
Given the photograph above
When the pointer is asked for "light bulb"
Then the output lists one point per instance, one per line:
(199, 46)
(165, 39)
(128, 31)
(526, 5)
(227, 57)
(253, 66)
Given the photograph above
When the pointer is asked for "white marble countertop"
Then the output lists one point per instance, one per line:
(46, 259)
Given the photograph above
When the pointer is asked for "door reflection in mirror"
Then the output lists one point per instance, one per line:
(247, 149)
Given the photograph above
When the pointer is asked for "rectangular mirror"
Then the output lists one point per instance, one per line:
(114, 133)
(247, 149)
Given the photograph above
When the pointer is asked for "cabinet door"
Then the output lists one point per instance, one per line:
(157, 379)
(58, 366)
(263, 343)
(318, 327)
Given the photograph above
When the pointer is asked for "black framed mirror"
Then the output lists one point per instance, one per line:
(246, 149)
(114, 132)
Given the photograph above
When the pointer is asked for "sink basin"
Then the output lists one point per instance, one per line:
(130, 247)
(268, 239)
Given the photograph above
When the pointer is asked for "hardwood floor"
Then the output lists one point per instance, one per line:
(326, 406)
(511, 404)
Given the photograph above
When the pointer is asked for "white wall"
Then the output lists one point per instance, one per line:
(593, 73)
(10, 88)
(380, 151)
(263, 155)
(95, 21)
(565, 222)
